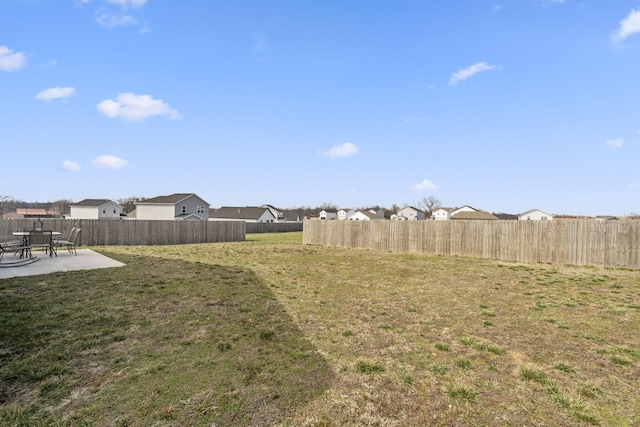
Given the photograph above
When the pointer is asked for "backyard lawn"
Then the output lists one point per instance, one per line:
(270, 332)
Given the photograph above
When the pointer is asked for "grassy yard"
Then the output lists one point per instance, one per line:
(274, 333)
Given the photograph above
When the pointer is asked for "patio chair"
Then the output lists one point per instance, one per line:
(42, 239)
(15, 247)
(71, 242)
(60, 238)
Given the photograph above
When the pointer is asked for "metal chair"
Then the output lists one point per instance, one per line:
(71, 242)
(42, 239)
(16, 247)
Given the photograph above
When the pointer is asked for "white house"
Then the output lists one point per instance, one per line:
(246, 214)
(365, 216)
(179, 206)
(409, 213)
(441, 214)
(473, 215)
(328, 214)
(535, 215)
(95, 209)
(345, 214)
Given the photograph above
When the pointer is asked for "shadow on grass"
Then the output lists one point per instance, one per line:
(157, 341)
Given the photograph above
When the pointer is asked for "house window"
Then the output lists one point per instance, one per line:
(200, 209)
(114, 210)
(184, 209)
(104, 210)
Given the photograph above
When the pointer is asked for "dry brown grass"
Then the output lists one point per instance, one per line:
(271, 332)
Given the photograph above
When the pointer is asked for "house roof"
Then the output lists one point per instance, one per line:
(171, 199)
(370, 215)
(93, 202)
(293, 215)
(474, 215)
(236, 212)
(506, 216)
(32, 211)
(444, 209)
(411, 207)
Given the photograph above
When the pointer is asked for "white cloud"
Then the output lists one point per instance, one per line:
(497, 8)
(550, 2)
(108, 162)
(131, 107)
(126, 4)
(344, 150)
(70, 166)
(628, 26)
(470, 71)
(55, 92)
(615, 143)
(109, 20)
(425, 185)
(10, 61)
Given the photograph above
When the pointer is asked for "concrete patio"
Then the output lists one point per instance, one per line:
(65, 261)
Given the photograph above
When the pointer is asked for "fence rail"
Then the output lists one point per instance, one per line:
(136, 232)
(609, 244)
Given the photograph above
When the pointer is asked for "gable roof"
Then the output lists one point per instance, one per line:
(411, 207)
(533, 210)
(92, 202)
(171, 199)
(236, 212)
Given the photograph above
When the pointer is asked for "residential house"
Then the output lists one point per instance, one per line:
(95, 209)
(409, 213)
(365, 216)
(345, 214)
(473, 215)
(246, 214)
(535, 215)
(328, 214)
(21, 213)
(277, 213)
(441, 214)
(293, 216)
(178, 206)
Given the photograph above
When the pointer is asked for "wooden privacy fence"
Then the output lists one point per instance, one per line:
(273, 227)
(610, 244)
(136, 232)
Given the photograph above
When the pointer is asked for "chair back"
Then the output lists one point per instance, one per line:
(40, 238)
(75, 234)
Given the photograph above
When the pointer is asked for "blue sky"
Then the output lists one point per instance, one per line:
(502, 105)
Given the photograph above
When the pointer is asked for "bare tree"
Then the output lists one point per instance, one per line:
(429, 204)
(6, 202)
(61, 206)
(129, 204)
